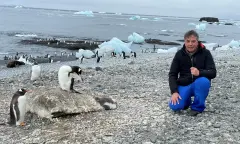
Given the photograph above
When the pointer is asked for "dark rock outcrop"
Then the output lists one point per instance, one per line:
(209, 19)
(228, 24)
(71, 45)
(160, 42)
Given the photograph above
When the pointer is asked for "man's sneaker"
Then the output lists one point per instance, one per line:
(193, 113)
(186, 107)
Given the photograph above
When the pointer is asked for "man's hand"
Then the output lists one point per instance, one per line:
(194, 71)
(175, 97)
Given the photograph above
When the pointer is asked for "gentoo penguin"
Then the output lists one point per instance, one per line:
(35, 72)
(107, 103)
(67, 75)
(105, 50)
(18, 108)
(128, 54)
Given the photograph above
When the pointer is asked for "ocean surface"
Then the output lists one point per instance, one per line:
(17, 23)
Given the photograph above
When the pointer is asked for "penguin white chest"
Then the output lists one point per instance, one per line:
(36, 71)
(64, 81)
(22, 100)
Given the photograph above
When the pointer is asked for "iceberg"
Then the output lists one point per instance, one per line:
(170, 50)
(144, 18)
(230, 46)
(223, 48)
(191, 24)
(156, 19)
(211, 46)
(137, 17)
(117, 44)
(201, 26)
(87, 13)
(136, 38)
(84, 53)
(234, 44)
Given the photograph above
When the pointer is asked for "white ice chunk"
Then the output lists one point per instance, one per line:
(201, 26)
(136, 38)
(234, 44)
(137, 17)
(117, 44)
(87, 13)
(211, 46)
(170, 50)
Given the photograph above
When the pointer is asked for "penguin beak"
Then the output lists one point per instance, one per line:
(28, 91)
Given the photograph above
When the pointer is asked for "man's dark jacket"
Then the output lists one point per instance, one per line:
(182, 62)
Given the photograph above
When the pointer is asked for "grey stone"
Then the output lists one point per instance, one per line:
(54, 102)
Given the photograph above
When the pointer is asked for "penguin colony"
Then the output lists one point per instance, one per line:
(67, 75)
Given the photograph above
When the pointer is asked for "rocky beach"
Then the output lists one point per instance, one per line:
(140, 87)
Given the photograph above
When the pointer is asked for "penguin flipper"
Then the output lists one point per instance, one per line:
(12, 120)
(17, 112)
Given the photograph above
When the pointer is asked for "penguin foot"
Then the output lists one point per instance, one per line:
(74, 91)
(22, 124)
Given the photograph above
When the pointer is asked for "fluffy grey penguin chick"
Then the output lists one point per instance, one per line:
(107, 103)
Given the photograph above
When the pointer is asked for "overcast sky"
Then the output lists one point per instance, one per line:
(189, 8)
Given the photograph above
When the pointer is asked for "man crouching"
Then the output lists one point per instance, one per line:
(196, 67)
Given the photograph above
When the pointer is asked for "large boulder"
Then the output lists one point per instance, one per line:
(54, 102)
(209, 19)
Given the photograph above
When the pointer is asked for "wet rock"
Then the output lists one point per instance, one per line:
(209, 19)
(54, 102)
(160, 42)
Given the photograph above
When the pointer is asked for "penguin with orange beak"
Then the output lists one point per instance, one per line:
(18, 108)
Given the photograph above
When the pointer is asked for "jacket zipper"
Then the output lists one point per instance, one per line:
(191, 57)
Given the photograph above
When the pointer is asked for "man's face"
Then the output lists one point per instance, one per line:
(191, 43)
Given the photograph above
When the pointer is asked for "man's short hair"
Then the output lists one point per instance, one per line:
(191, 33)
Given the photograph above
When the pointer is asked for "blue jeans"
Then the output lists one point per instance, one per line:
(199, 89)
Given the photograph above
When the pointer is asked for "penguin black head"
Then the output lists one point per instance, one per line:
(21, 91)
(35, 63)
(134, 54)
(76, 69)
(113, 54)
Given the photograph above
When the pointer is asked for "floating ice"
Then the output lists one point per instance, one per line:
(211, 46)
(169, 31)
(234, 44)
(170, 50)
(137, 17)
(117, 44)
(223, 48)
(26, 35)
(87, 13)
(18, 6)
(136, 38)
(84, 53)
(157, 19)
(201, 26)
(191, 24)
(144, 18)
